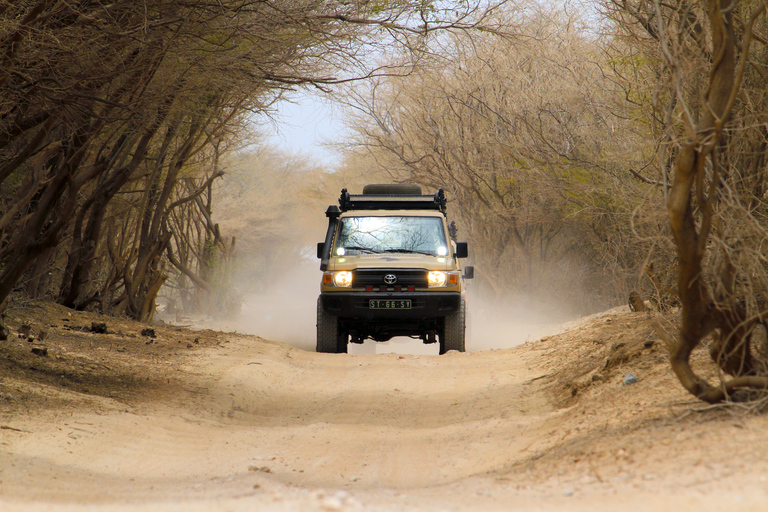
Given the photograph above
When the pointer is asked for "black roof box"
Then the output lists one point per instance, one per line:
(391, 190)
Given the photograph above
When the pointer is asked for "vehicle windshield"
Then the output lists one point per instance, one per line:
(373, 235)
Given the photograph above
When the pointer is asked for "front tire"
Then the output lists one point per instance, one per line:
(454, 331)
(329, 338)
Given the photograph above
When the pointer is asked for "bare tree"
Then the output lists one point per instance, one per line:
(711, 106)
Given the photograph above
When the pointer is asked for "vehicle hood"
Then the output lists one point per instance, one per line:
(392, 260)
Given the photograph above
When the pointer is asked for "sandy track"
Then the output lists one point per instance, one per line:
(260, 425)
(308, 419)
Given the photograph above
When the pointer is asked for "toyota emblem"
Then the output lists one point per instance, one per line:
(390, 278)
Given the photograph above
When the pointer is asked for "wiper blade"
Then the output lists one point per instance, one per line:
(409, 251)
(358, 248)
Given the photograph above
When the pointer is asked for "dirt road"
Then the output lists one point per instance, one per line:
(246, 424)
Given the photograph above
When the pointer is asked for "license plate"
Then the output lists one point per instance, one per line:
(389, 304)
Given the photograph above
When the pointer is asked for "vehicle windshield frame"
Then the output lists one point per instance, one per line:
(391, 234)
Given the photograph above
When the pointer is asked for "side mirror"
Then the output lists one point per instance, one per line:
(462, 251)
(320, 247)
(469, 272)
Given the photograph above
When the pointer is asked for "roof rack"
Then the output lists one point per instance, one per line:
(369, 201)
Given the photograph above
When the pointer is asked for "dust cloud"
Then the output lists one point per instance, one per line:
(285, 311)
(495, 323)
(278, 279)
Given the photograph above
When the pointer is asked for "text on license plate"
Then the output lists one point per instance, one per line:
(389, 304)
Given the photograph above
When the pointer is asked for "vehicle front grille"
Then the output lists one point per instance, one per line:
(376, 277)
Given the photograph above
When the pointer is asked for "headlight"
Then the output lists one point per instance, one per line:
(437, 279)
(343, 279)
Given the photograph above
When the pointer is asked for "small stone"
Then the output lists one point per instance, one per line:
(40, 351)
(332, 503)
(630, 378)
(99, 327)
(148, 332)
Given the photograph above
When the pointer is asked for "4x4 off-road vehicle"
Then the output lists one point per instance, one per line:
(391, 268)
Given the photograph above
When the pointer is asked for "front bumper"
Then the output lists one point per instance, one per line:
(423, 304)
